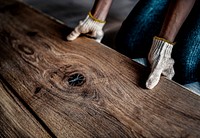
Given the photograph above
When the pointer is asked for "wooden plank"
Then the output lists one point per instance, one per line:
(108, 99)
(15, 119)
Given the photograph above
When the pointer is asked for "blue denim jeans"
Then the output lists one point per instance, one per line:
(145, 21)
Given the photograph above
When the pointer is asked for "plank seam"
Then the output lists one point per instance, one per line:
(40, 121)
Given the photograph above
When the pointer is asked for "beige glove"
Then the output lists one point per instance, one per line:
(160, 60)
(90, 26)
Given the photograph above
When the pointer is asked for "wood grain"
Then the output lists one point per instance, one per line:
(15, 119)
(38, 62)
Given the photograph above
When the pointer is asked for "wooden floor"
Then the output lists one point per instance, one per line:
(50, 87)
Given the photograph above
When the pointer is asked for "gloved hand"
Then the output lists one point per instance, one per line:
(160, 60)
(90, 26)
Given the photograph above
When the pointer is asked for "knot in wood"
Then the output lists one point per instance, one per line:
(27, 50)
(76, 79)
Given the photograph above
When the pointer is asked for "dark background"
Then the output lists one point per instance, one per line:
(71, 11)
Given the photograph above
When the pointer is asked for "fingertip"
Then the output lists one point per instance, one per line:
(98, 40)
(74, 34)
(152, 82)
(70, 38)
(149, 85)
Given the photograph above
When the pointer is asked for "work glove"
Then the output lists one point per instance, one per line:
(160, 60)
(90, 26)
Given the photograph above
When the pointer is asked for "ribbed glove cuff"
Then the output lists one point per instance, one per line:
(160, 47)
(95, 19)
(93, 25)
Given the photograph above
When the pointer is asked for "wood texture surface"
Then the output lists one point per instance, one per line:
(15, 119)
(83, 88)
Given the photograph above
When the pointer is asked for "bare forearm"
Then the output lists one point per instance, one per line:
(101, 8)
(177, 13)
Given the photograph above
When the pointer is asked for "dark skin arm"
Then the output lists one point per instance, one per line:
(101, 8)
(176, 15)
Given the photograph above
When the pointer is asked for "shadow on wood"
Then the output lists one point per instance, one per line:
(15, 119)
(83, 88)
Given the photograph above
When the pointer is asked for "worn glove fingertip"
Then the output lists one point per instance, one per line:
(152, 82)
(72, 36)
(149, 84)
(98, 40)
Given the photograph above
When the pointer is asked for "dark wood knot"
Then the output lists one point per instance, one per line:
(76, 79)
(37, 90)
